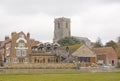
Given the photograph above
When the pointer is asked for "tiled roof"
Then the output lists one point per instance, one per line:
(84, 51)
(109, 51)
(103, 50)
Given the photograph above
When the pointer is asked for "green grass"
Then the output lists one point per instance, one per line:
(58, 76)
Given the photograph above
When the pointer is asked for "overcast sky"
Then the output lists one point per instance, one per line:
(89, 18)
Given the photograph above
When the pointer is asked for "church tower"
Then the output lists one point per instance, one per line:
(61, 28)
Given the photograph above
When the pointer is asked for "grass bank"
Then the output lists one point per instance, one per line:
(61, 76)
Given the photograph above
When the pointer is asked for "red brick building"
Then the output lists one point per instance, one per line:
(20, 48)
(85, 56)
(106, 55)
(1, 52)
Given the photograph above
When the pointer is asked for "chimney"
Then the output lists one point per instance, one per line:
(13, 34)
(6, 38)
(28, 35)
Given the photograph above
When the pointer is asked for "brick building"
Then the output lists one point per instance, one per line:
(20, 48)
(85, 56)
(106, 55)
(1, 53)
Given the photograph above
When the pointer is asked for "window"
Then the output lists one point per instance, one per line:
(58, 25)
(43, 59)
(24, 52)
(7, 59)
(7, 52)
(18, 53)
(26, 60)
(15, 60)
(84, 59)
(66, 25)
(35, 60)
(49, 60)
(21, 44)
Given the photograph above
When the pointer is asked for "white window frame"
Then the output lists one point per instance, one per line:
(15, 60)
(7, 52)
(18, 54)
(24, 52)
(7, 60)
(26, 60)
(21, 44)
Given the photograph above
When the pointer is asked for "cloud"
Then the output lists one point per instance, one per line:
(50, 7)
(90, 18)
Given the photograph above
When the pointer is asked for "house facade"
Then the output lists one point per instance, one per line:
(17, 48)
(106, 55)
(1, 53)
(20, 48)
(85, 56)
(44, 53)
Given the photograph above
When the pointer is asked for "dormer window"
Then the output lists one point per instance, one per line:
(21, 43)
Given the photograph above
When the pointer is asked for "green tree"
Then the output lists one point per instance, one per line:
(118, 39)
(69, 41)
(112, 44)
(98, 43)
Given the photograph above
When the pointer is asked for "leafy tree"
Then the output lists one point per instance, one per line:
(112, 44)
(69, 41)
(118, 39)
(98, 43)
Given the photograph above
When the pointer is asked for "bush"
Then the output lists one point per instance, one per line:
(69, 41)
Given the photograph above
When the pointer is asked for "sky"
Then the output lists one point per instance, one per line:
(89, 18)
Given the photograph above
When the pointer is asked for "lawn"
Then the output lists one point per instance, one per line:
(60, 76)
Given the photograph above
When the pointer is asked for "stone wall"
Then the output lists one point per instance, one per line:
(41, 66)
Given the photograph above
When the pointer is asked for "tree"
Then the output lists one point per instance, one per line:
(68, 41)
(112, 44)
(118, 39)
(98, 43)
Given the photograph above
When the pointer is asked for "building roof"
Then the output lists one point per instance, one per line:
(83, 51)
(42, 54)
(105, 51)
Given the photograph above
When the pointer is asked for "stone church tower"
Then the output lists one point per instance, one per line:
(61, 28)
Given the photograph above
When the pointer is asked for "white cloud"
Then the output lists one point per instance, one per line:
(90, 18)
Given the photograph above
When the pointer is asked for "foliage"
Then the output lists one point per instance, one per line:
(111, 44)
(119, 39)
(118, 51)
(115, 45)
(75, 46)
(98, 43)
(68, 41)
(62, 76)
